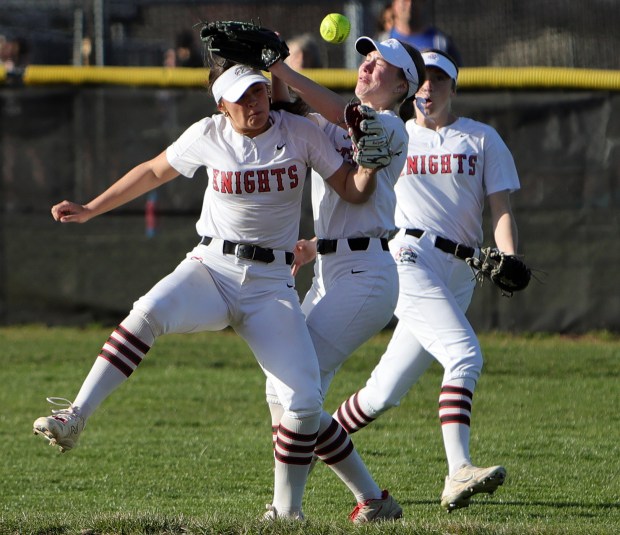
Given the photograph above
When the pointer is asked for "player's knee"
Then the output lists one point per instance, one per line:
(142, 325)
(303, 406)
(150, 316)
(374, 400)
(383, 401)
(303, 414)
(466, 369)
(272, 399)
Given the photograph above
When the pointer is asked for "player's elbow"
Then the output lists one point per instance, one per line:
(359, 196)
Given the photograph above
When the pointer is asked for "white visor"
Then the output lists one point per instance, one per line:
(234, 82)
(395, 54)
(432, 59)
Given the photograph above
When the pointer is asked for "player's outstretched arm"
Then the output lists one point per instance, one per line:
(504, 225)
(325, 101)
(141, 179)
(279, 90)
(354, 184)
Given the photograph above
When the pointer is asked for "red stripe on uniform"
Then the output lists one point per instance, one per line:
(342, 455)
(125, 351)
(132, 339)
(297, 436)
(294, 448)
(332, 446)
(455, 404)
(328, 433)
(292, 460)
(455, 419)
(116, 362)
(447, 389)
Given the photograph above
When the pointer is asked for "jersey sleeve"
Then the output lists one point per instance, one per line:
(186, 154)
(397, 133)
(324, 158)
(500, 172)
(319, 120)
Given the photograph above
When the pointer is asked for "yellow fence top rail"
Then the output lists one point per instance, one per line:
(337, 79)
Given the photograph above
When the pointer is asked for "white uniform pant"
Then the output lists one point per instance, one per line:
(435, 291)
(209, 291)
(352, 297)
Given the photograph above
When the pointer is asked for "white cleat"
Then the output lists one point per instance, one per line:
(63, 427)
(272, 514)
(384, 508)
(470, 480)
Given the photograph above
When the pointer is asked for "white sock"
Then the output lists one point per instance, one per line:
(455, 402)
(335, 448)
(293, 452)
(277, 411)
(119, 357)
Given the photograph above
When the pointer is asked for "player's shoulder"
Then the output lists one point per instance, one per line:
(393, 124)
(202, 126)
(473, 127)
(298, 126)
(391, 118)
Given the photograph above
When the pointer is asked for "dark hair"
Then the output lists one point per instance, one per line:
(406, 109)
(297, 107)
(219, 66)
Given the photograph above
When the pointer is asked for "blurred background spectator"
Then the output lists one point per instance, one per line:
(385, 22)
(185, 52)
(14, 53)
(411, 26)
(305, 52)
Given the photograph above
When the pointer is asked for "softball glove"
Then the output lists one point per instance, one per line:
(244, 42)
(371, 144)
(507, 272)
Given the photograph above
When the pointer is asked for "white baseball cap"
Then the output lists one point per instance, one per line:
(394, 53)
(234, 82)
(433, 59)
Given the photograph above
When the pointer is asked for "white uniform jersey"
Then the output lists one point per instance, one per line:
(257, 201)
(447, 175)
(335, 218)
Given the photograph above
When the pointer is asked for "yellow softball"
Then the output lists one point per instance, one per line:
(335, 28)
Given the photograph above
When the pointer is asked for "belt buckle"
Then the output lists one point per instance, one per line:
(242, 250)
(457, 248)
(254, 252)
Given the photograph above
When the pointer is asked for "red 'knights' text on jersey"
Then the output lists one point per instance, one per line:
(255, 184)
(447, 164)
(447, 176)
(255, 181)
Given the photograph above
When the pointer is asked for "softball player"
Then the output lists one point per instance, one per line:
(452, 164)
(239, 275)
(355, 285)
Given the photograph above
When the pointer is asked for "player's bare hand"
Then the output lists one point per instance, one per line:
(70, 212)
(305, 252)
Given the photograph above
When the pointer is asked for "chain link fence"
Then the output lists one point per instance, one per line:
(556, 33)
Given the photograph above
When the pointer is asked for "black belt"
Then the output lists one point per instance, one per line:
(355, 244)
(447, 246)
(249, 252)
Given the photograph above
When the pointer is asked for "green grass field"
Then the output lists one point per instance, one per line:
(185, 445)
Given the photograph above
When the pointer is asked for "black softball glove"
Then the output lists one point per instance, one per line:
(507, 272)
(244, 42)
